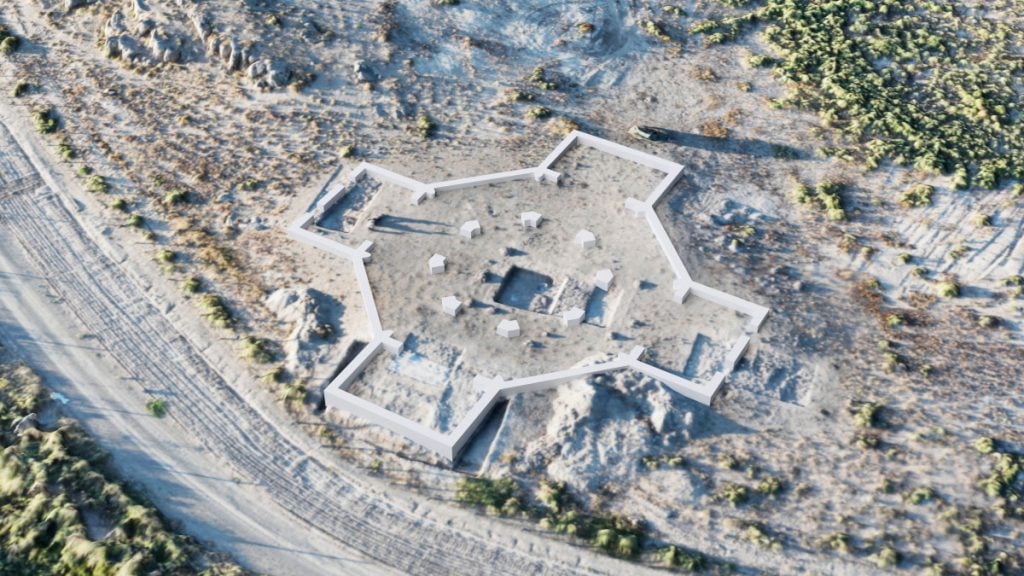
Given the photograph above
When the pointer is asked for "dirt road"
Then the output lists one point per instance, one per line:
(233, 476)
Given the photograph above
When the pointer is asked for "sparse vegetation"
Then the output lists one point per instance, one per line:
(65, 150)
(257, 350)
(20, 89)
(826, 195)
(191, 285)
(45, 121)
(918, 196)
(157, 407)
(425, 127)
(98, 184)
(53, 478)
(9, 43)
(539, 78)
(176, 196)
(859, 64)
(538, 112)
(985, 445)
(216, 311)
(734, 494)
(948, 289)
(498, 497)
(838, 542)
(866, 414)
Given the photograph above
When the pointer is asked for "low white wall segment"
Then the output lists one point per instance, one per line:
(625, 152)
(545, 381)
(356, 365)
(469, 424)
(495, 389)
(474, 181)
(381, 416)
(397, 179)
(367, 295)
(756, 312)
(665, 243)
(666, 184)
(681, 385)
(560, 150)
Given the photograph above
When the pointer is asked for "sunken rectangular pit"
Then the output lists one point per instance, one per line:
(526, 290)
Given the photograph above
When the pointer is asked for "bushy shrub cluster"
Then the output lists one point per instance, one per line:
(926, 84)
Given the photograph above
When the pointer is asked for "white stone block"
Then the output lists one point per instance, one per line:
(436, 264)
(603, 279)
(573, 317)
(451, 305)
(635, 207)
(531, 220)
(470, 229)
(586, 239)
(508, 328)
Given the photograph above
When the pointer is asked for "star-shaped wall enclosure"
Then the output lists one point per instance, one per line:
(492, 389)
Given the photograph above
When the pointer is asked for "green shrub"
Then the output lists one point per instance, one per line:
(826, 195)
(734, 494)
(756, 534)
(9, 44)
(919, 495)
(769, 486)
(84, 170)
(191, 285)
(166, 256)
(216, 311)
(948, 289)
(859, 64)
(486, 492)
(134, 221)
(257, 350)
(276, 375)
(425, 127)
(838, 542)
(65, 150)
(652, 28)
(985, 445)
(293, 395)
(761, 61)
(673, 557)
(866, 414)
(887, 557)
(45, 121)
(538, 112)
(918, 196)
(157, 407)
(176, 196)
(20, 89)
(98, 184)
(539, 78)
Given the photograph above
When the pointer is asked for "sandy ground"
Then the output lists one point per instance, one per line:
(784, 413)
(530, 276)
(71, 311)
